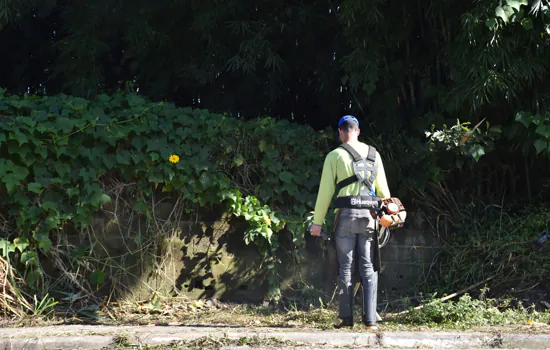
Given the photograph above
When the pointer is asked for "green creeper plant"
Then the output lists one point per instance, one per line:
(59, 154)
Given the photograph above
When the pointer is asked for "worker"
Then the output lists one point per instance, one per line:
(354, 171)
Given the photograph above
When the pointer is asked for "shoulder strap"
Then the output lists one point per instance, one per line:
(354, 154)
(372, 154)
(356, 157)
(374, 169)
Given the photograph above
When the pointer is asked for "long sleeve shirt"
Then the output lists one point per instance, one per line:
(339, 166)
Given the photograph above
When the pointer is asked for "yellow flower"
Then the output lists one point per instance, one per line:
(267, 219)
(174, 158)
(530, 322)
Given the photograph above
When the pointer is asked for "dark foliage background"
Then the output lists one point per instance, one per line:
(400, 66)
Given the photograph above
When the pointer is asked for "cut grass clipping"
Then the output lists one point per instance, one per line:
(215, 343)
(468, 312)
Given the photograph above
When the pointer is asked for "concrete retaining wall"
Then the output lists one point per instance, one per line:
(406, 262)
(209, 259)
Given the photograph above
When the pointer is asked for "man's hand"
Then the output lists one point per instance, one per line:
(315, 230)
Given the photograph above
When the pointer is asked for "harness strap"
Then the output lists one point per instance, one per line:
(374, 169)
(356, 156)
(346, 182)
(372, 154)
(360, 165)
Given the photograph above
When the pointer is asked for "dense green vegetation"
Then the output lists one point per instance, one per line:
(419, 75)
(64, 158)
(401, 67)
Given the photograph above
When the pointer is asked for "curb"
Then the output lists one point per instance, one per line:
(101, 337)
(59, 342)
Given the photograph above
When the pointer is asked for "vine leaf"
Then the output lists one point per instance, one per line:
(286, 177)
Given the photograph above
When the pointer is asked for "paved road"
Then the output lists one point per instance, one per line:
(101, 337)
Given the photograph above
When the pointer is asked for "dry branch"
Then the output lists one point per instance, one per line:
(12, 303)
(445, 298)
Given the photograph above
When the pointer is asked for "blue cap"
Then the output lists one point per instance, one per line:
(346, 118)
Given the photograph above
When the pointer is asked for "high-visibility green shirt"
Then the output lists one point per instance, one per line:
(339, 166)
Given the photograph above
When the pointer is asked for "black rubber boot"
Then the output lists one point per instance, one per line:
(346, 322)
(370, 285)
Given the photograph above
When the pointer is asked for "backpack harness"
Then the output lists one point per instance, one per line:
(361, 166)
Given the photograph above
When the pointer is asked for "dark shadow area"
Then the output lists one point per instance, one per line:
(228, 269)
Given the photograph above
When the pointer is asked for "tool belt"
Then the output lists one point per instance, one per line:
(358, 202)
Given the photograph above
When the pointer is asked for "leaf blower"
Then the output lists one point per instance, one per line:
(391, 215)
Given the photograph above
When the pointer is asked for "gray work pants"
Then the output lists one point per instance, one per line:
(354, 236)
